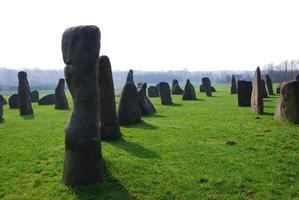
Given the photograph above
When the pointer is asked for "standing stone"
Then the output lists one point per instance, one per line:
(207, 86)
(201, 89)
(130, 78)
(60, 98)
(13, 101)
(146, 106)
(175, 87)
(49, 99)
(279, 87)
(83, 162)
(24, 95)
(257, 105)
(244, 93)
(109, 127)
(297, 78)
(213, 89)
(269, 85)
(233, 87)
(189, 91)
(34, 96)
(153, 91)
(264, 90)
(165, 94)
(287, 108)
(3, 99)
(1, 109)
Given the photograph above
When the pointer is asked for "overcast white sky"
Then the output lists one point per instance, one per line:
(154, 34)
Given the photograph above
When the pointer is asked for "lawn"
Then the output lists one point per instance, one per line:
(179, 153)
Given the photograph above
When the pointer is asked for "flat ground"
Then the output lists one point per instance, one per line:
(179, 153)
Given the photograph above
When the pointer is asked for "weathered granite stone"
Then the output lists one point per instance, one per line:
(175, 87)
(207, 86)
(257, 105)
(153, 91)
(34, 96)
(269, 85)
(130, 78)
(109, 127)
(165, 94)
(60, 98)
(244, 93)
(3, 99)
(287, 108)
(233, 87)
(189, 91)
(297, 78)
(47, 100)
(83, 162)
(264, 89)
(24, 95)
(13, 101)
(146, 106)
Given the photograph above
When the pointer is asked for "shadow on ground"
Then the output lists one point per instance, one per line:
(28, 117)
(142, 125)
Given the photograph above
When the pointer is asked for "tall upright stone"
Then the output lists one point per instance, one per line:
(83, 162)
(287, 108)
(153, 91)
(244, 93)
(175, 87)
(1, 109)
(146, 106)
(109, 127)
(189, 91)
(207, 86)
(269, 85)
(34, 96)
(233, 87)
(13, 101)
(165, 94)
(130, 78)
(60, 98)
(24, 94)
(297, 77)
(264, 90)
(257, 105)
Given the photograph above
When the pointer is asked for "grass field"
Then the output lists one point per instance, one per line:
(179, 153)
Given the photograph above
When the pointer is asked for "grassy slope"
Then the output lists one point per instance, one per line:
(169, 156)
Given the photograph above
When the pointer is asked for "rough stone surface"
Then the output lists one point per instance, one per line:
(24, 96)
(130, 78)
(83, 162)
(165, 94)
(60, 98)
(269, 85)
(264, 89)
(233, 87)
(34, 96)
(257, 105)
(47, 100)
(279, 87)
(13, 101)
(146, 106)
(287, 108)
(244, 93)
(207, 86)
(201, 89)
(175, 87)
(153, 91)
(297, 78)
(3, 99)
(109, 127)
(189, 91)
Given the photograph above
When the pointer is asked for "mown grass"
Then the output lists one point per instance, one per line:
(179, 153)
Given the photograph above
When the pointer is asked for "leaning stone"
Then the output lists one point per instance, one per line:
(287, 108)
(269, 85)
(83, 161)
(207, 86)
(13, 101)
(175, 88)
(24, 95)
(233, 87)
(34, 96)
(109, 127)
(3, 99)
(47, 100)
(146, 106)
(257, 105)
(60, 98)
(165, 94)
(189, 91)
(264, 90)
(244, 93)
(153, 91)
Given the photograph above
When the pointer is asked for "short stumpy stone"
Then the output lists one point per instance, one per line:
(13, 101)
(109, 127)
(257, 105)
(244, 93)
(175, 87)
(49, 99)
(3, 99)
(60, 98)
(233, 87)
(287, 108)
(264, 90)
(83, 162)
(34, 96)
(24, 95)
(207, 86)
(269, 85)
(165, 94)
(153, 91)
(146, 106)
(189, 91)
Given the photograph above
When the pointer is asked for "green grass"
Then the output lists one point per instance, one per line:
(179, 153)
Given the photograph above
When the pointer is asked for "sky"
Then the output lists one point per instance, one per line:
(154, 35)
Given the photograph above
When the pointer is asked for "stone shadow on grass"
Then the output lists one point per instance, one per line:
(134, 149)
(175, 104)
(27, 117)
(153, 116)
(142, 125)
(109, 188)
(268, 113)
